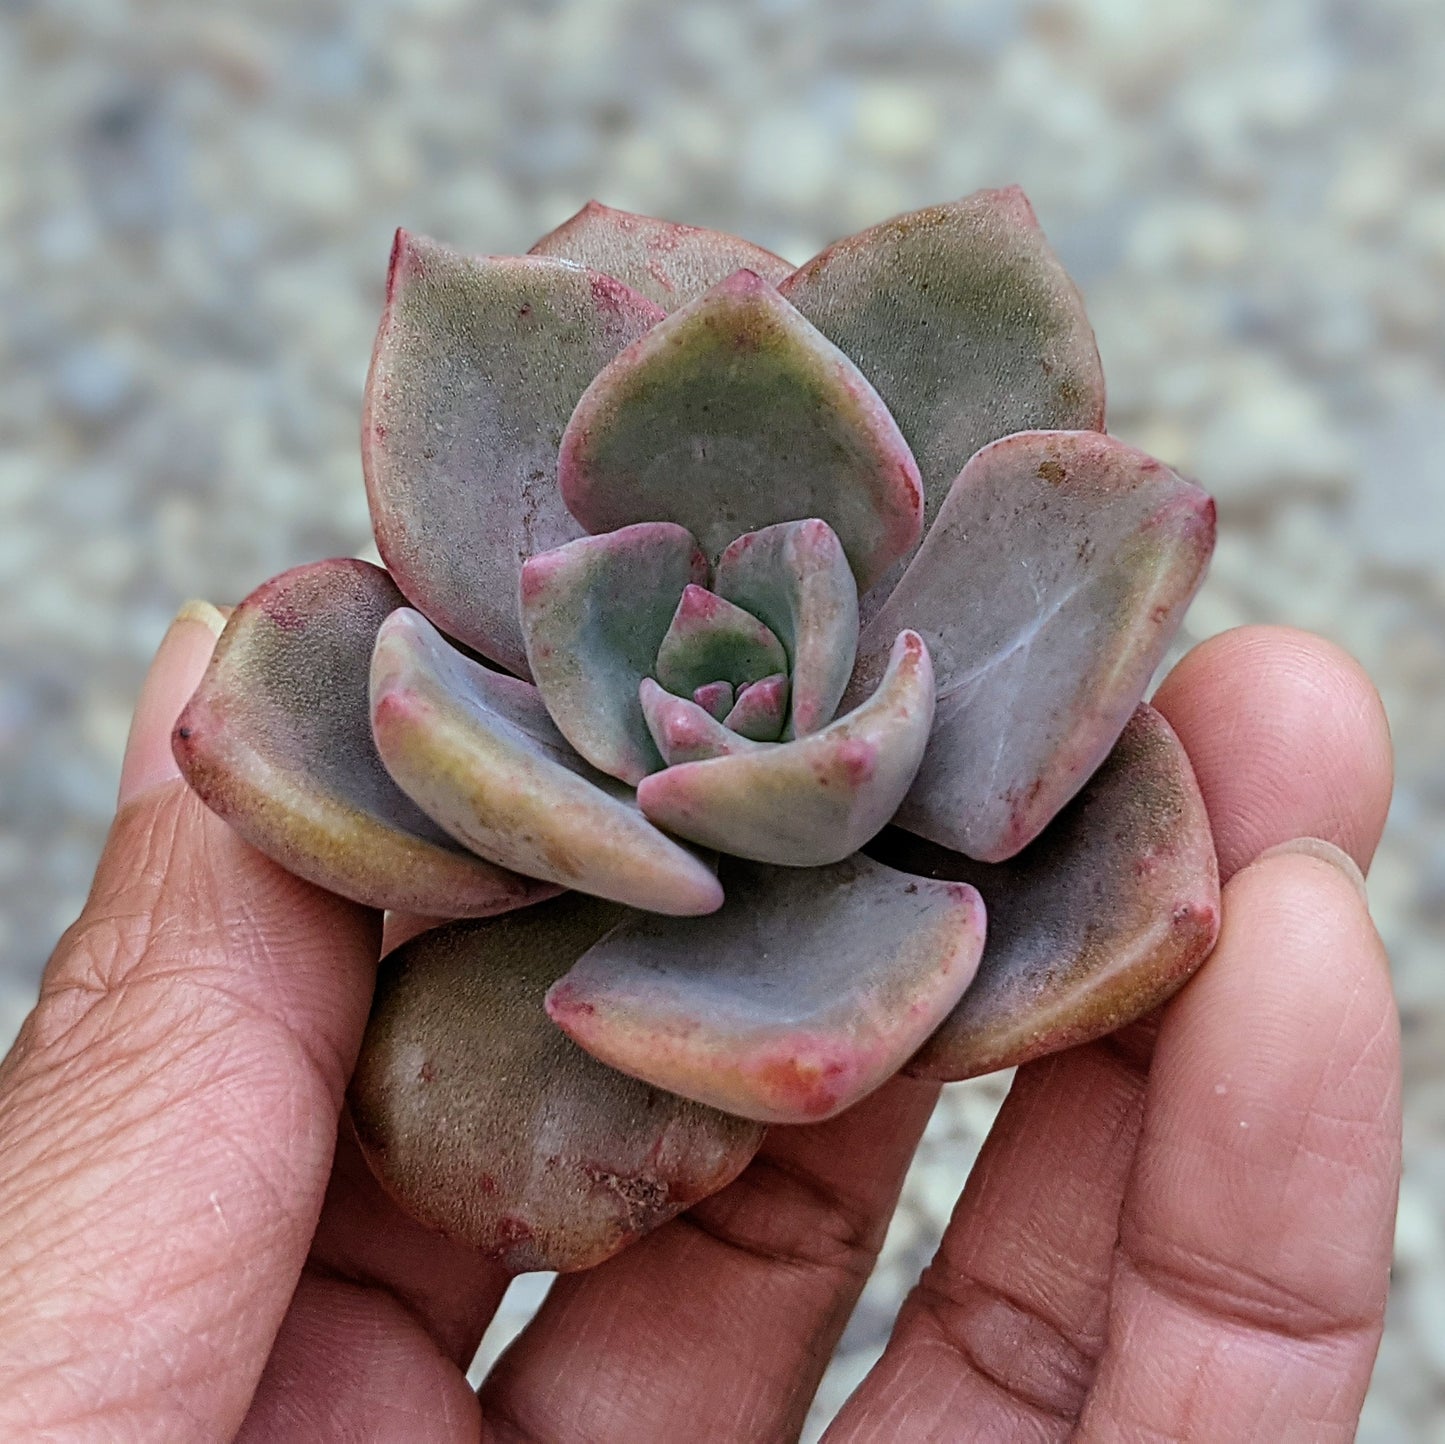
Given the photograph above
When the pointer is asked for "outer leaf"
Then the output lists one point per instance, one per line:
(594, 613)
(808, 990)
(479, 753)
(967, 324)
(734, 414)
(795, 577)
(486, 1122)
(1047, 591)
(478, 364)
(666, 262)
(815, 800)
(1097, 923)
(276, 741)
(711, 640)
(761, 709)
(683, 731)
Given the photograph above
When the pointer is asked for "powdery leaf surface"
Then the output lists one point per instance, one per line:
(276, 740)
(485, 1121)
(668, 263)
(1096, 923)
(813, 800)
(595, 613)
(478, 364)
(477, 750)
(1048, 590)
(734, 414)
(796, 578)
(962, 317)
(807, 991)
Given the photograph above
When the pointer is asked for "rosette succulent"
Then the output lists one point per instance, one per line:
(748, 636)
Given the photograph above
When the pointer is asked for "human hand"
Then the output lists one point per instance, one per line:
(1193, 1248)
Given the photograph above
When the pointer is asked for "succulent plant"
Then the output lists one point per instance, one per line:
(745, 632)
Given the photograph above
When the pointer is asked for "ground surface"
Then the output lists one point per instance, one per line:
(196, 205)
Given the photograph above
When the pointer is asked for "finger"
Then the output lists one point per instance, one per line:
(1028, 1254)
(719, 1325)
(168, 1115)
(352, 1362)
(385, 1320)
(1254, 1246)
(1292, 736)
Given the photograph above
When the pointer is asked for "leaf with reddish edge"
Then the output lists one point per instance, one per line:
(711, 640)
(716, 699)
(807, 991)
(817, 799)
(733, 414)
(1051, 584)
(668, 263)
(276, 740)
(963, 318)
(488, 1124)
(478, 363)
(594, 614)
(760, 710)
(795, 577)
(1098, 922)
(477, 751)
(683, 731)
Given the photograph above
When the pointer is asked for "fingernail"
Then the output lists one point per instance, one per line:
(174, 675)
(1322, 851)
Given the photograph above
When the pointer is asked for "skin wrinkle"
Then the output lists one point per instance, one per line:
(105, 961)
(121, 1024)
(1314, 1317)
(441, 1410)
(122, 1201)
(840, 1236)
(1229, 1353)
(1023, 1329)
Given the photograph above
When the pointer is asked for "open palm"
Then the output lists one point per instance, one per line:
(1182, 1231)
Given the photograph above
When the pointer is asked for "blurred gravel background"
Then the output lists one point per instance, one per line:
(196, 205)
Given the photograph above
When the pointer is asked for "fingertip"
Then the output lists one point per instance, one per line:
(1321, 851)
(1290, 1026)
(180, 661)
(1288, 738)
(1253, 1249)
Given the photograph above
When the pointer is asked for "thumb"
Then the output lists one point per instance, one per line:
(168, 1113)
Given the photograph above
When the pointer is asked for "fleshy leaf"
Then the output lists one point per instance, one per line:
(761, 709)
(814, 800)
(276, 740)
(795, 577)
(478, 364)
(1097, 923)
(1047, 591)
(965, 321)
(487, 1123)
(807, 991)
(668, 263)
(716, 699)
(594, 613)
(712, 640)
(683, 731)
(734, 414)
(479, 753)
